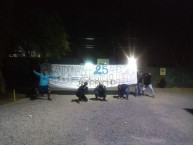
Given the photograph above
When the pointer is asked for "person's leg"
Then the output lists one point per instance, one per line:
(139, 89)
(119, 91)
(127, 96)
(41, 89)
(152, 90)
(80, 97)
(127, 93)
(96, 95)
(84, 98)
(136, 89)
(122, 92)
(49, 92)
(104, 97)
(34, 93)
(143, 90)
(78, 100)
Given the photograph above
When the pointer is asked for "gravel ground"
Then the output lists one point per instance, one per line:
(163, 120)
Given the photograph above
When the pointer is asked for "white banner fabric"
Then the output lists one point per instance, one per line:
(72, 76)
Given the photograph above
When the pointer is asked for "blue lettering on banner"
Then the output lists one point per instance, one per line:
(101, 69)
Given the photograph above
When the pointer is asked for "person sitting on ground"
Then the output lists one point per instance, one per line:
(123, 89)
(100, 91)
(82, 90)
(43, 82)
(161, 83)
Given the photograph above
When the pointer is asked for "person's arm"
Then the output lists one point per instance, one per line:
(85, 88)
(95, 89)
(37, 73)
(52, 76)
(105, 87)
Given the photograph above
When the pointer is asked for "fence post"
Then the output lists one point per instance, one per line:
(14, 97)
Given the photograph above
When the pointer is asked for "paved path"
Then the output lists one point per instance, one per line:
(164, 120)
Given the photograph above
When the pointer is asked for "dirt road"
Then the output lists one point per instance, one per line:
(164, 120)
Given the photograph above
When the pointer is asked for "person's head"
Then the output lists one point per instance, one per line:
(44, 72)
(100, 83)
(85, 83)
(140, 72)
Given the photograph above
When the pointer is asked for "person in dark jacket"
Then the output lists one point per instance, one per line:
(148, 83)
(82, 90)
(100, 91)
(123, 89)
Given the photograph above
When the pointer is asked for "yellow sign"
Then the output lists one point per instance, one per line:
(162, 71)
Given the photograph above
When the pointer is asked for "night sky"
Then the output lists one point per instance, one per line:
(158, 32)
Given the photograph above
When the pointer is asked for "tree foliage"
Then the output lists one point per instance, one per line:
(6, 28)
(43, 33)
(31, 31)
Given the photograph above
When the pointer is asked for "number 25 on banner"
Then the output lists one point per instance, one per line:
(101, 69)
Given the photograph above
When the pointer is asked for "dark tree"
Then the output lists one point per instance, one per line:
(43, 33)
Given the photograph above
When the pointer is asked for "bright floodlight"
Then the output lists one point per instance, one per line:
(132, 63)
(88, 64)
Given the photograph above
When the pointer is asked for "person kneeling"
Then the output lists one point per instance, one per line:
(82, 90)
(100, 91)
(123, 89)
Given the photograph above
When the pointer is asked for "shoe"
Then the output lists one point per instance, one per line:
(153, 96)
(78, 101)
(49, 99)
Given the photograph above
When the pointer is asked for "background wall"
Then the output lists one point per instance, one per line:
(175, 77)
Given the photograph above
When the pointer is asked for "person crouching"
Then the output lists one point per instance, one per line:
(100, 91)
(82, 90)
(123, 89)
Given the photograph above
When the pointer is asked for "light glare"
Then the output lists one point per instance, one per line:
(88, 64)
(132, 63)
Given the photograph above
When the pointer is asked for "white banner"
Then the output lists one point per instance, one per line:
(71, 76)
